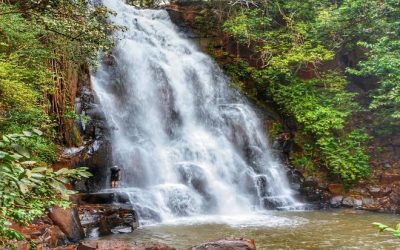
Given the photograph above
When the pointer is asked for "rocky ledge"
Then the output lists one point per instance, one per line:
(90, 216)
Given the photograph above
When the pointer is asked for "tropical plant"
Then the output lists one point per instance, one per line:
(27, 187)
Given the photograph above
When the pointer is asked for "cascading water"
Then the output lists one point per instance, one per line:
(187, 142)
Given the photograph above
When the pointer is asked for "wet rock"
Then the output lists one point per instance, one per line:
(271, 203)
(261, 183)
(295, 178)
(105, 219)
(122, 230)
(98, 164)
(336, 201)
(248, 182)
(352, 202)
(102, 198)
(121, 245)
(148, 214)
(227, 244)
(68, 221)
(195, 177)
(335, 189)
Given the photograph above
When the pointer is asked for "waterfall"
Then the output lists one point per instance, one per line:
(187, 143)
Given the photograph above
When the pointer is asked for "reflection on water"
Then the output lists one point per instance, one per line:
(338, 229)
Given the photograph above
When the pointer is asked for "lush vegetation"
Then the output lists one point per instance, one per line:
(306, 53)
(28, 187)
(42, 46)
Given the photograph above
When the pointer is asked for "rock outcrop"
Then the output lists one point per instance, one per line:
(103, 219)
(68, 221)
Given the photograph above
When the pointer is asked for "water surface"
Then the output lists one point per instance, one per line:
(337, 229)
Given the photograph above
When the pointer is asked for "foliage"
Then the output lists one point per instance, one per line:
(384, 62)
(372, 26)
(28, 187)
(346, 155)
(294, 41)
(41, 43)
(75, 29)
(383, 228)
(247, 26)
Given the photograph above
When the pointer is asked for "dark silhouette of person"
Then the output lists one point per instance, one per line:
(115, 176)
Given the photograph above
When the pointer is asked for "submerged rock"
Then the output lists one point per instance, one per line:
(121, 245)
(227, 244)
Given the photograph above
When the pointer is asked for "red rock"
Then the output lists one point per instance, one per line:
(335, 189)
(68, 221)
(121, 245)
(227, 244)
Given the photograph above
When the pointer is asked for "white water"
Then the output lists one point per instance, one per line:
(188, 144)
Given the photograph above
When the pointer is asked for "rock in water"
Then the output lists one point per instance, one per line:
(227, 244)
(121, 245)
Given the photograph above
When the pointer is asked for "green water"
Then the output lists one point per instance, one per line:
(337, 229)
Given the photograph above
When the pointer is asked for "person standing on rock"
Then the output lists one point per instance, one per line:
(115, 176)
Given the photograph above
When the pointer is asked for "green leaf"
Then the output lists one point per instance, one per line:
(6, 139)
(37, 131)
(28, 163)
(27, 133)
(3, 154)
(39, 169)
(22, 151)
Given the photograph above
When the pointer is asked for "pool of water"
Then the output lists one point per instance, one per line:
(337, 229)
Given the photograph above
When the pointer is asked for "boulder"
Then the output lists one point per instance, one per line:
(105, 219)
(68, 221)
(121, 245)
(227, 244)
(336, 201)
(351, 201)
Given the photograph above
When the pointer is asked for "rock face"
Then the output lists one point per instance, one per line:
(93, 128)
(68, 221)
(227, 244)
(121, 245)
